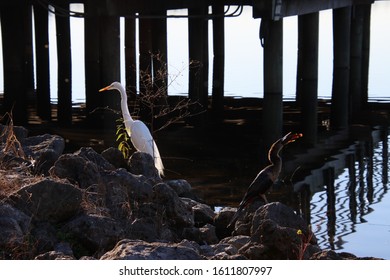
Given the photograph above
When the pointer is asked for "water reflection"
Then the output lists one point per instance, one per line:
(350, 194)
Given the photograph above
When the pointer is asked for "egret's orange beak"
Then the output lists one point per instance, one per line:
(105, 88)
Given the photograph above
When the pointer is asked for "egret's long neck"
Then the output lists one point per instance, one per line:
(125, 109)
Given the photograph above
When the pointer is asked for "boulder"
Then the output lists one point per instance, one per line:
(203, 214)
(44, 150)
(243, 224)
(77, 170)
(222, 220)
(282, 232)
(123, 192)
(20, 133)
(176, 212)
(145, 229)
(208, 235)
(92, 233)
(90, 155)
(140, 250)
(62, 251)
(182, 188)
(48, 200)
(237, 241)
(281, 214)
(114, 157)
(143, 164)
(11, 232)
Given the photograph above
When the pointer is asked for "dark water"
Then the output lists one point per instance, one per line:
(342, 193)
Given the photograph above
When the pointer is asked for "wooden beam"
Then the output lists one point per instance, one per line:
(153, 64)
(273, 80)
(198, 57)
(64, 57)
(16, 28)
(307, 74)
(341, 66)
(93, 81)
(355, 82)
(366, 53)
(41, 19)
(110, 67)
(218, 62)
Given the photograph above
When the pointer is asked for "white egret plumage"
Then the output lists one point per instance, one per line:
(139, 133)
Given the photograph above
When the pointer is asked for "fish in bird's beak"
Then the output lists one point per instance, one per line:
(105, 88)
(291, 137)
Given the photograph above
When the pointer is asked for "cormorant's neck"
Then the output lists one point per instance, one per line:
(273, 154)
(276, 161)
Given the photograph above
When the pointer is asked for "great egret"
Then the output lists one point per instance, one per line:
(139, 133)
(267, 176)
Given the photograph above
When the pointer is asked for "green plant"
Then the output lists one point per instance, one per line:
(122, 138)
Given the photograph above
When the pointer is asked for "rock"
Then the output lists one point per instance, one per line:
(140, 250)
(77, 170)
(244, 222)
(203, 214)
(114, 157)
(45, 236)
(143, 164)
(221, 221)
(326, 255)
(19, 131)
(271, 241)
(202, 236)
(224, 248)
(228, 247)
(90, 155)
(206, 250)
(193, 234)
(225, 256)
(84, 167)
(208, 235)
(14, 233)
(177, 213)
(281, 214)
(145, 229)
(281, 234)
(182, 188)
(62, 251)
(48, 200)
(123, 191)
(22, 220)
(137, 187)
(10, 232)
(256, 251)
(92, 233)
(44, 150)
(54, 255)
(236, 241)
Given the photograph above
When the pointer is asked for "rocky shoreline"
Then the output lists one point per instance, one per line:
(89, 205)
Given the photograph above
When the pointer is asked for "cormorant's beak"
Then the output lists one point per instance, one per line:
(291, 137)
(105, 88)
